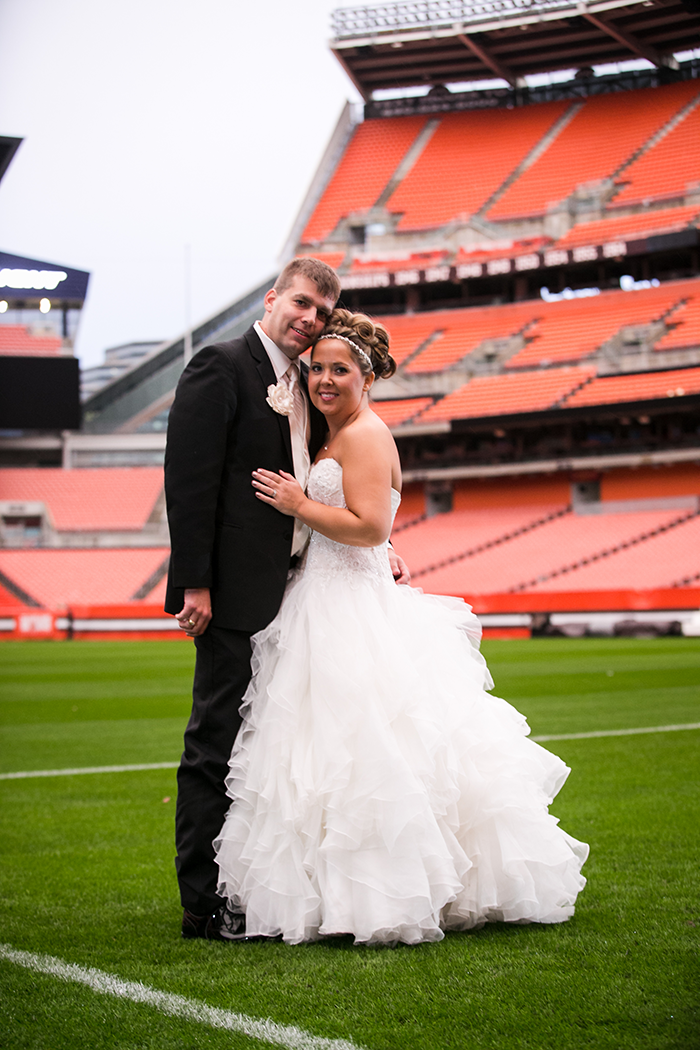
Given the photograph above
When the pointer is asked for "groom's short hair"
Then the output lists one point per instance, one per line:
(323, 276)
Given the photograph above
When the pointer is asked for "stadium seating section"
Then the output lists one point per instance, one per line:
(564, 331)
(664, 560)
(686, 325)
(8, 600)
(467, 158)
(500, 395)
(394, 413)
(448, 536)
(116, 499)
(58, 578)
(409, 261)
(374, 153)
(639, 386)
(669, 169)
(333, 259)
(536, 553)
(606, 132)
(472, 157)
(458, 332)
(571, 330)
(631, 227)
(410, 331)
(18, 340)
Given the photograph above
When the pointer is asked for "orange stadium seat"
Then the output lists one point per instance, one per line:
(629, 227)
(540, 551)
(605, 133)
(669, 168)
(501, 394)
(119, 498)
(372, 157)
(448, 535)
(659, 561)
(59, 577)
(466, 160)
(17, 339)
(394, 413)
(638, 386)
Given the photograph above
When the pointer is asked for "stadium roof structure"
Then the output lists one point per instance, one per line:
(8, 147)
(419, 42)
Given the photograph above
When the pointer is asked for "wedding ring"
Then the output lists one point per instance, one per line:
(190, 623)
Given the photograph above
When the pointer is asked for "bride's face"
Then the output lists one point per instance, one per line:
(336, 384)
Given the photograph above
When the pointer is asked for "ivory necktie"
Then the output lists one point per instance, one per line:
(300, 451)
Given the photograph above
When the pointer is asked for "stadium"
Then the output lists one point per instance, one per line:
(533, 251)
(518, 200)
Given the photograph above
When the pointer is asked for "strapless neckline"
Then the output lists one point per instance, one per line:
(330, 459)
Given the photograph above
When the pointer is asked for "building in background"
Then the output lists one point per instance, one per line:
(117, 361)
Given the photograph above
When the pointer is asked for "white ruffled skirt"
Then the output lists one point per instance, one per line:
(378, 789)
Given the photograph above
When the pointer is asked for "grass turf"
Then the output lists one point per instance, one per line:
(87, 870)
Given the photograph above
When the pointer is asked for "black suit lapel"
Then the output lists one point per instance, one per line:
(268, 378)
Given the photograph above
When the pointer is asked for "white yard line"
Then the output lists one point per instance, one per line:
(175, 1005)
(25, 774)
(86, 769)
(616, 732)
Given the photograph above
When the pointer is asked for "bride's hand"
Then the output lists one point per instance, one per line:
(282, 491)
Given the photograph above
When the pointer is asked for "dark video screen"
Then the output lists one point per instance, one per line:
(39, 393)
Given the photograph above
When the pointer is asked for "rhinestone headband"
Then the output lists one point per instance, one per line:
(344, 339)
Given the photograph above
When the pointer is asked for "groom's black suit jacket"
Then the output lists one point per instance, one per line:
(222, 537)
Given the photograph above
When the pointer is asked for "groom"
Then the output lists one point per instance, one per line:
(230, 551)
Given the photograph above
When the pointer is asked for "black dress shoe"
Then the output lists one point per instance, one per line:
(223, 924)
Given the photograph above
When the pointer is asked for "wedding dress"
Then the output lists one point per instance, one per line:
(379, 790)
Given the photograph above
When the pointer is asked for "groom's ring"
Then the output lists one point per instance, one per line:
(191, 623)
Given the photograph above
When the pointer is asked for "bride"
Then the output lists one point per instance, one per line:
(378, 789)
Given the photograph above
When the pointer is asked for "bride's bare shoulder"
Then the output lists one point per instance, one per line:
(368, 439)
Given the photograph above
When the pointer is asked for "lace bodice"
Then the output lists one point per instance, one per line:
(326, 558)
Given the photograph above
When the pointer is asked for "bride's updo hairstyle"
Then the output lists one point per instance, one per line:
(360, 331)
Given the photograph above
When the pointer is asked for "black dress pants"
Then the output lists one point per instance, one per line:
(221, 677)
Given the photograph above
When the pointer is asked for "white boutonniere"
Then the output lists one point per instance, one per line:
(280, 398)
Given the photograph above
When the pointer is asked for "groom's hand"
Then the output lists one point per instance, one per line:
(399, 568)
(196, 612)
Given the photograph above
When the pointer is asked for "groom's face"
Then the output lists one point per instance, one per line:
(295, 318)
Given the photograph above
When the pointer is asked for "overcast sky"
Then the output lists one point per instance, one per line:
(152, 124)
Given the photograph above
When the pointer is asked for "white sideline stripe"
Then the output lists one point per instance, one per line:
(175, 1005)
(25, 774)
(616, 732)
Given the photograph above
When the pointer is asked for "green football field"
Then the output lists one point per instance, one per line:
(88, 883)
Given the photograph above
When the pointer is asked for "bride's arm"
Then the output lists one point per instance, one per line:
(367, 459)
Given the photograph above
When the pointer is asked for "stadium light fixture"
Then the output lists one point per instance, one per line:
(44, 305)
